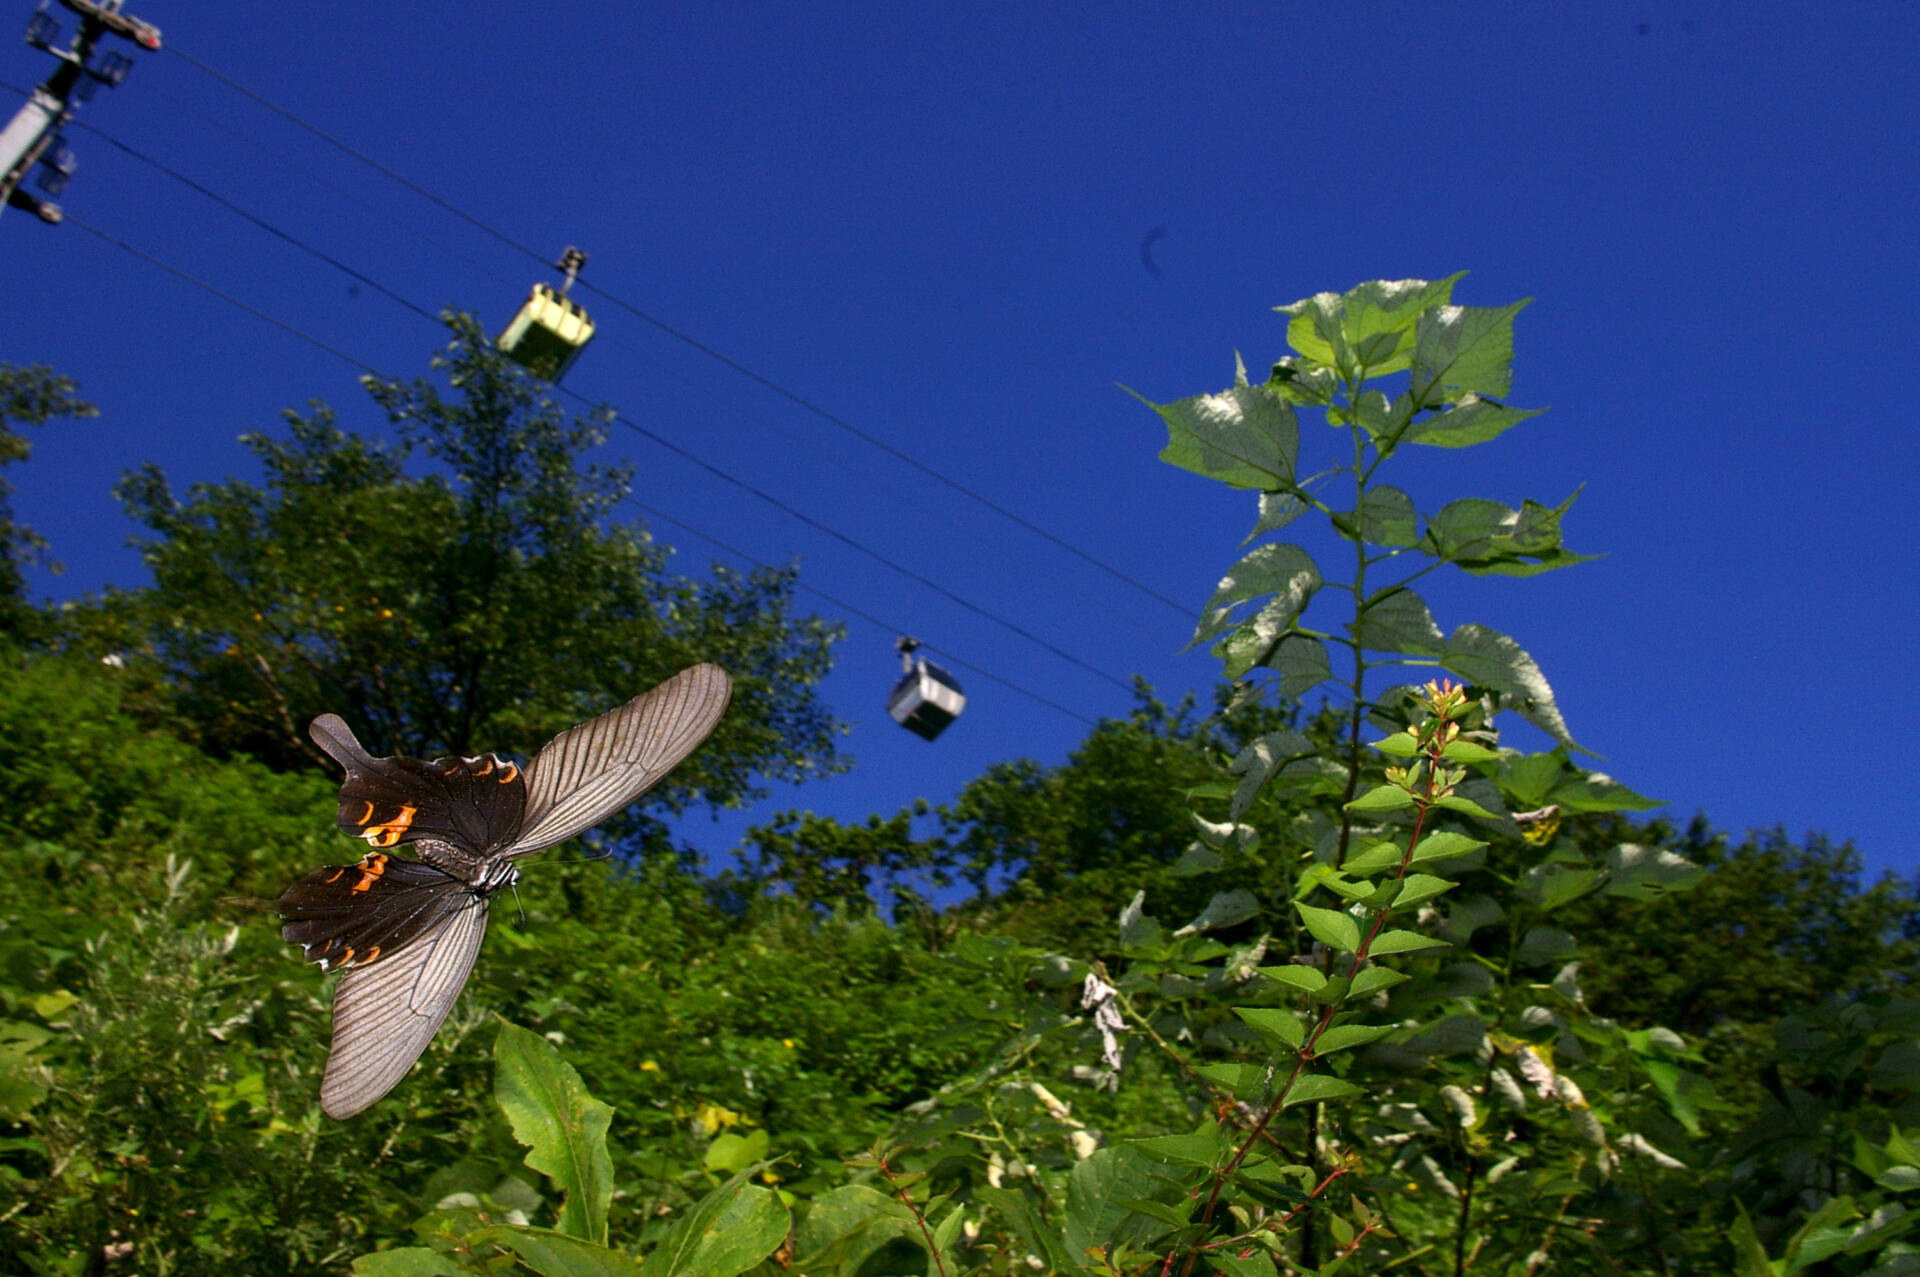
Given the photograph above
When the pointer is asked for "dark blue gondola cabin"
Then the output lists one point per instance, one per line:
(926, 700)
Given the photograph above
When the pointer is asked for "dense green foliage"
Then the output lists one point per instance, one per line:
(1248, 991)
(29, 396)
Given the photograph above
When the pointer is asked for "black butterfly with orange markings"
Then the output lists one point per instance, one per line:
(404, 933)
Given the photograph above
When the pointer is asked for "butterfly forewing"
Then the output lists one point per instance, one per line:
(474, 804)
(384, 1014)
(587, 773)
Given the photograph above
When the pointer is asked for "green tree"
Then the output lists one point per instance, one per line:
(30, 396)
(459, 587)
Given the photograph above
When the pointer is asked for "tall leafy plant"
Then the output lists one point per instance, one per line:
(1376, 1026)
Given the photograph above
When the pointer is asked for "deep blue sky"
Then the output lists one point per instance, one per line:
(930, 223)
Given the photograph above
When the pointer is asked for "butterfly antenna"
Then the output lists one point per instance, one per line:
(519, 908)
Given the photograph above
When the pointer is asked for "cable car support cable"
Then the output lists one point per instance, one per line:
(695, 343)
(363, 366)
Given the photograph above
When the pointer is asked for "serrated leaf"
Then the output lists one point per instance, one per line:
(1403, 942)
(1472, 420)
(1245, 436)
(1277, 510)
(1342, 1037)
(1647, 873)
(1338, 931)
(1348, 331)
(1301, 662)
(1276, 1023)
(1260, 760)
(1492, 660)
(1138, 930)
(1225, 909)
(1310, 1088)
(1278, 568)
(1463, 349)
(1296, 975)
(563, 1127)
(1551, 885)
(1444, 845)
(1398, 620)
(1385, 517)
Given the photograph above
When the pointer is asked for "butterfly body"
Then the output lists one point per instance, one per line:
(404, 933)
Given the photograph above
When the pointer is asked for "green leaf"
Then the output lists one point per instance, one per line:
(1341, 1037)
(1276, 1023)
(729, 1152)
(1285, 571)
(1463, 349)
(1338, 931)
(1375, 858)
(1595, 792)
(1382, 798)
(855, 1224)
(1444, 845)
(1398, 620)
(1040, 1237)
(1243, 1080)
(1386, 517)
(1225, 909)
(1311, 1088)
(1260, 760)
(1372, 325)
(1302, 664)
(1492, 660)
(1551, 885)
(728, 1231)
(554, 1254)
(1277, 510)
(407, 1261)
(1647, 873)
(1099, 1190)
(1465, 751)
(1204, 1146)
(1296, 975)
(1402, 942)
(564, 1127)
(1372, 980)
(1417, 888)
(1472, 420)
(1245, 436)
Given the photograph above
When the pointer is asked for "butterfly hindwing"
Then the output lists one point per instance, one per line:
(385, 1013)
(591, 771)
(349, 915)
(473, 803)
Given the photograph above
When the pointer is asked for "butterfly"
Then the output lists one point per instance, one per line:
(404, 933)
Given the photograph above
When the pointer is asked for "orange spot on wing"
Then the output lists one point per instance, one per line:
(508, 776)
(335, 876)
(346, 957)
(387, 833)
(371, 955)
(486, 765)
(366, 815)
(370, 868)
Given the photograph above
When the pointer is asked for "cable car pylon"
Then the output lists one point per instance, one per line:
(928, 698)
(551, 329)
(32, 136)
